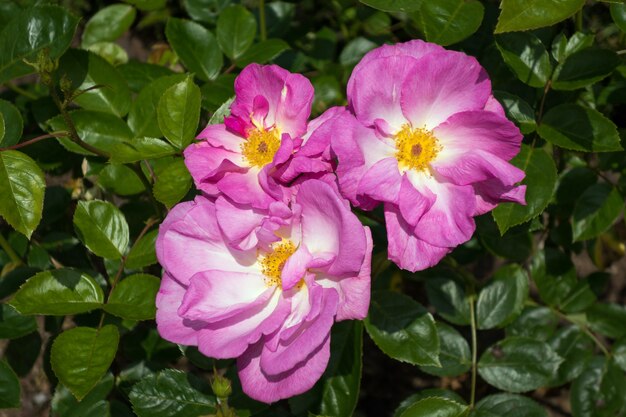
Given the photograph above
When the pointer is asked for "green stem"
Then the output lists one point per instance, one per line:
(585, 330)
(262, 20)
(579, 20)
(136, 167)
(19, 90)
(4, 244)
(472, 300)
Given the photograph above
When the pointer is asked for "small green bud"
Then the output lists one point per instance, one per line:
(221, 386)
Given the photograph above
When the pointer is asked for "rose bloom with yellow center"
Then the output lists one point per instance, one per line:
(423, 136)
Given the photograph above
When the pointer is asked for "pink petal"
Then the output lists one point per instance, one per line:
(244, 188)
(295, 268)
(413, 203)
(220, 137)
(494, 106)
(208, 164)
(238, 223)
(382, 181)
(170, 325)
(491, 192)
(476, 166)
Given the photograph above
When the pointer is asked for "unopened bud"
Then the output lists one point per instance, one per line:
(221, 386)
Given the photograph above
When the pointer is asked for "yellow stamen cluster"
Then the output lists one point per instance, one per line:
(261, 146)
(416, 148)
(272, 263)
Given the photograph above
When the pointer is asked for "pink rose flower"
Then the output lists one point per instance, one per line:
(425, 137)
(261, 146)
(271, 299)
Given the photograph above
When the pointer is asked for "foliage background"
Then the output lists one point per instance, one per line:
(527, 319)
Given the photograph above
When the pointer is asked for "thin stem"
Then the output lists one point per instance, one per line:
(579, 21)
(4, 244)
(543, 101)
(262, 20)
(136, 167)
(585, 330)
(230, 69)
(19, 90)
(35, 140)
(472, 300)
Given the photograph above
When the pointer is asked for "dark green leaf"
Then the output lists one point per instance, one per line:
(519, 364)
(427, 393)
(147, 5)
(121, 180)
(12, 280)
(554, 274)
(449, 21)
(12, 124)
(576, 348)
(236, 29)
(531, 14)
(448, 297)
(584, 68)
(102, 130)
(108, 24)
(599, 391)
(13, 325)
(526, 56)
(595, 211)
(518, 110)
(140, 74)
(355, 50)
(93, 405)
(619, 353)
(534, 322)
(394, 5)
(9, 387)
(263, 52)
(403, 329)
(139, 149)
(342, 378)
(143, 252)
(503, 298)
(108, 91)
(102, 228)
(435, 407)
(22, 187)
(572, 126)
(178, 113)
(540, 181)
(58, 292)
(205, 10)
(510, 405)
(22, 353)
(455, 355)
(608, 319)
(171, 393)
(618, 13)
(133, 298)
(173, 182)
(142, 117)
(30, 32)
(580, 297)
(196, 47)
(81, 356)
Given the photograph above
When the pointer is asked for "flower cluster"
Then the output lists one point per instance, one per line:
(262, 263)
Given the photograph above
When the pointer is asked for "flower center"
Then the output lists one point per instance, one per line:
(261, 146)
(416, 148)
(272, 264)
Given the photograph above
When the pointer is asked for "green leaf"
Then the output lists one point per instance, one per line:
(449, 21)
(584, 68)
(608, 319)
(579, 128)
(58, 292)
(342, 378)
(222, 112)
(93, 405)
(171, 393)
(148, 5)
(531, 14)
(540, 181)
(12, 124)
(503, 298)
(30, 32)
(111, 52)
(102, 228)
(394, 5)
(236, 29)
(519, 364)
(534, 322)
(108, 24)
(618, 13)
(102, 130)
(403, 329)
(22, 187)
(427, 393)
(526, 57)
(13, 325)
(619, 353)
(355, 50)
(142, 117)
(599, 391)
(576, 349)
(139, 74)
(510, 405)
(22, 353)
(196, 47)
(139, 149)
(81, 356)
(448, 297)
(554, 274)
(143, 252)
(455, 355)
(435, 407)
(108, 91)
(178, 113)
(173, 182)
(121, 180)
(9, 387)
(262, 52)
(595, 211)
(133, 298)
(518, 110)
